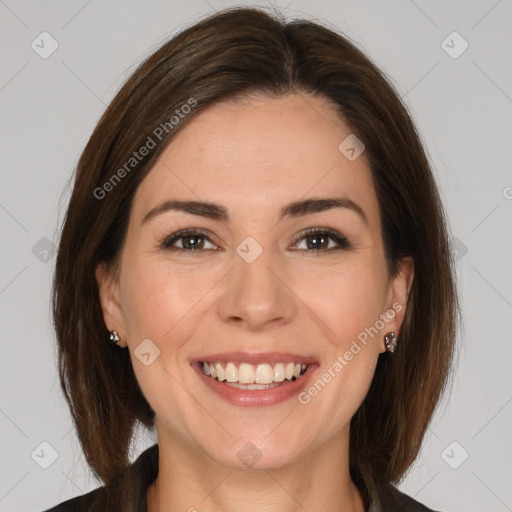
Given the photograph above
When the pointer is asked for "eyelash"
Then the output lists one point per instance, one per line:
(339, 239)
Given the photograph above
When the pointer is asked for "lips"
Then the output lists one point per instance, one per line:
(255, 379)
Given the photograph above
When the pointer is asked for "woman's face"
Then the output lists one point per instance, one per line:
(248, 290)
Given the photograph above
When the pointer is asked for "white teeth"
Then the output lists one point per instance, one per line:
(246, 373)
(279, 374)
(264, 374)
(252, 386)
(289, 370)
(248, 376)
(231, 373)
(220, 372)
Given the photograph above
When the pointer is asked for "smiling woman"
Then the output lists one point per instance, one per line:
(275, 276)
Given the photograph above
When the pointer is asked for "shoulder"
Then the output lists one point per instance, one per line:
(81, 503)
(126, 491)
(396, 501)
(413, 505)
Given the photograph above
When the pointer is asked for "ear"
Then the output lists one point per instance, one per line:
(397, 299)
(108, 287)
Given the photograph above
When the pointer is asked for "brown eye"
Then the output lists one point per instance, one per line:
(192, 242)
(317, 239)
(188, 240)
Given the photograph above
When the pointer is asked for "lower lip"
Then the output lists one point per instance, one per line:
(256, 397)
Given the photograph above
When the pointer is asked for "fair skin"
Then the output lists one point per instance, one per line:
(302, 295)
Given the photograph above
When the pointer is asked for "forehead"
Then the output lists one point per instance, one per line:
(259, 153)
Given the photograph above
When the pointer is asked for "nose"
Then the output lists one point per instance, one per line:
(256, 295)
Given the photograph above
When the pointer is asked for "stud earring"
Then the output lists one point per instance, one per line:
(114, 337)
(390, 341)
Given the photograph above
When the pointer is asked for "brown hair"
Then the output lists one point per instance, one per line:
(231, 54)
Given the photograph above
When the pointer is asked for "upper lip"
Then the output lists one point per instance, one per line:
(256, 358)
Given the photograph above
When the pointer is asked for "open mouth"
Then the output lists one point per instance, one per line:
(254, 376)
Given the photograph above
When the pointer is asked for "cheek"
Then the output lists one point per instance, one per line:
(348, 301)
(165, 304)
(160, 300)
(349, 304)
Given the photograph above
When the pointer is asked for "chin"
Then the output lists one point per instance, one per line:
(254, 452)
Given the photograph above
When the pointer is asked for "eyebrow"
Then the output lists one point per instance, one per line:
(218, 212)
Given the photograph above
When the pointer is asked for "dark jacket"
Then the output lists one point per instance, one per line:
(145, 469)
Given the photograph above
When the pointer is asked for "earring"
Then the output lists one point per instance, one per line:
(114, 337)
(390, 341)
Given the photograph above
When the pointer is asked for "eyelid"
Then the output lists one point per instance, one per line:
(341, 241)
(167, 241)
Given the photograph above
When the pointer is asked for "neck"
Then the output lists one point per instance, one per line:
(190, 481)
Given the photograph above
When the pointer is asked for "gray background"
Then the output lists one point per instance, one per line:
(462, 107)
